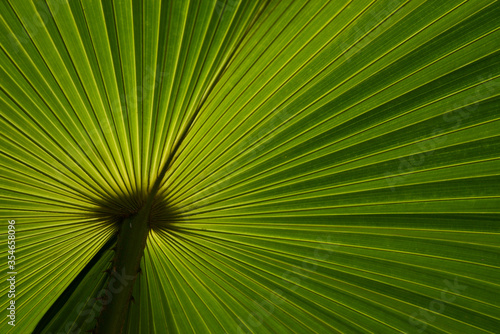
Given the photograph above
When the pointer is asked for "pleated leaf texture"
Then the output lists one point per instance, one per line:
(322, 166)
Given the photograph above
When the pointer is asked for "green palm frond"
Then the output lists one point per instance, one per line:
(294, 166)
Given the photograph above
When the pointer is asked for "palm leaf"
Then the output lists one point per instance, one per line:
(312, 167)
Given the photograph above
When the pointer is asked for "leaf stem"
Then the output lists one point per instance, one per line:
(126, 263)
